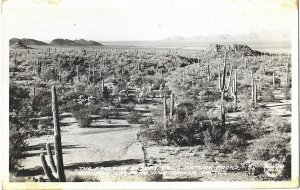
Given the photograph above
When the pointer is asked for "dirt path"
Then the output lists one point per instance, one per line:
(278, 106)
(112, 145)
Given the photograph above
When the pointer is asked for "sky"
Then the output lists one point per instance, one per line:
(117, 20)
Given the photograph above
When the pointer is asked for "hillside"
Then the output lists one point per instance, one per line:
(27, 42)
(19, 45)
(237, 48)
(88, 43)
(67, 42)
(63, 42)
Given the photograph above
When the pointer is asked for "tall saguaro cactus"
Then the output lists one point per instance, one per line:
(172, 106)
(57, 172)
(33, 100)
(234, 90)
(287, 74)
(207, 70)
(273, 79)
(165, 113)
(223, 87)
(254, 92)
(77, 73)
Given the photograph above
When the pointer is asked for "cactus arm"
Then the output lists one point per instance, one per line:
(52, 163)
(46, 169)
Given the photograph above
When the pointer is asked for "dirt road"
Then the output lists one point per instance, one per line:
(112, 145)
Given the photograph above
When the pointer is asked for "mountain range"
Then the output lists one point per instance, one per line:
(55, 42)
(227, 38)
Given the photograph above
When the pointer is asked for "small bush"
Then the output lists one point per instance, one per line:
(232, 142)
(83, 117)
(283, 127)
(129, 107)
(267, 96)
(105, 113)
(271, 146)
(287, 92)
(134, 117)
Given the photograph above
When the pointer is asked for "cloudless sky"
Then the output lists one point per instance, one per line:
(106, 20)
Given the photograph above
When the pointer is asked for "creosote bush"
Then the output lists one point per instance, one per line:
(134, 117)
(83, 115)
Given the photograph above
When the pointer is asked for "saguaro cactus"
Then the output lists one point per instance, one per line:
(165, 113)
(102, 85)
(287, 74)
(172, 106)
(273, 79)
(89, 74)
(223, 117)
(39, 68)
(222, 79)
(254, 92)
(57, 172)
(234, 90)
(207, 70)
(33, 101)
(223, 87)
(15, 58)
(93, 71)
(77, 73)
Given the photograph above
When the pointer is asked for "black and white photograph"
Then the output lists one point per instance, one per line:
(147, 91)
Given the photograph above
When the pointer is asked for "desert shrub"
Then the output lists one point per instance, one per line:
(94, 108)
(45, 122)
(116, 113)
(232, 142)
(129, 107)
(153, 176)
(187, 128)
(105, 113)
(155, 134)
(267, 95)
(94, 91)
(69, 106)
(286, 92)
(282, 126)
(48, 74)
(23, 76)
(213, 136)
(148, 122)
(288, 107)
(43, 102)
(20, 127)
(83, 117)
(134, 117)
(70, 95)
(17, 143)
(275, 123)
(253, 122)
(270, 146)
(273, 146)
